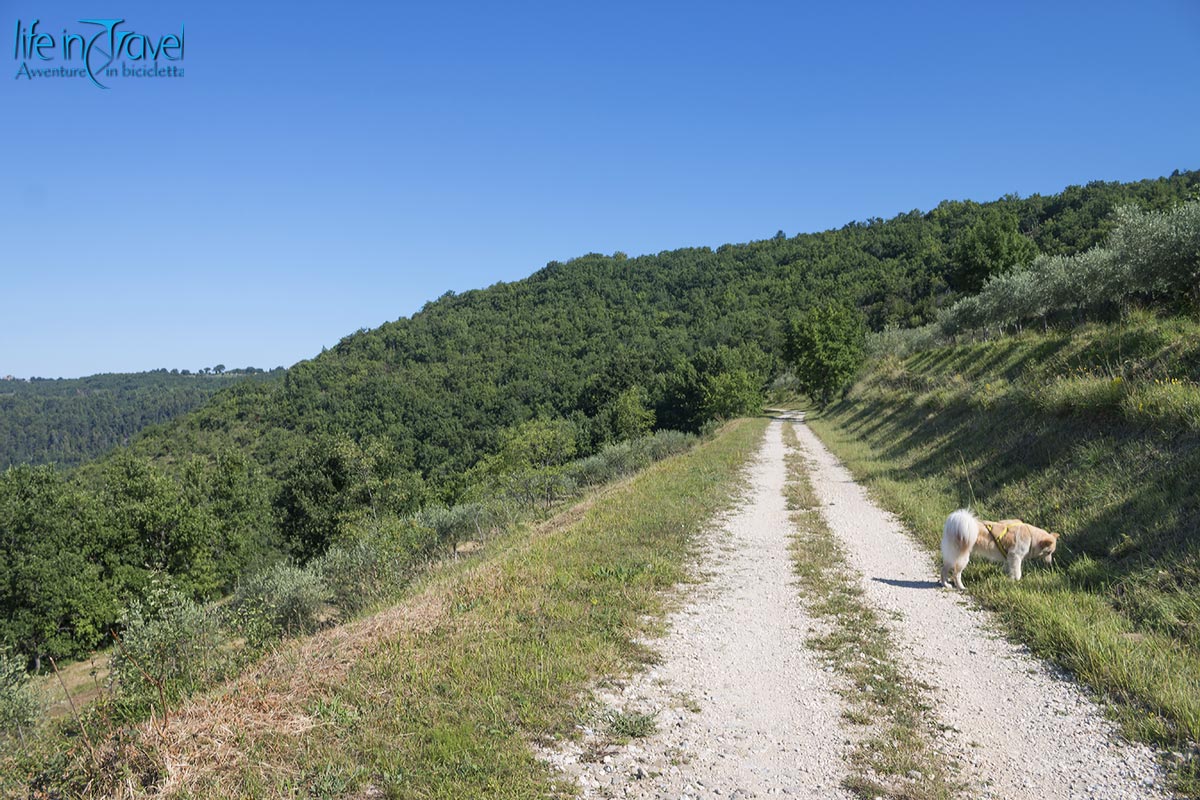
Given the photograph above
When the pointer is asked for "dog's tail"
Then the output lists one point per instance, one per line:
(959, 533)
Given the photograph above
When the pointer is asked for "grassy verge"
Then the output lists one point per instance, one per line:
(440, 695)
(894, 756)
(999, 425)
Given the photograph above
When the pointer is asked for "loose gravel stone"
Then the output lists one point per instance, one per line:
(768, 717)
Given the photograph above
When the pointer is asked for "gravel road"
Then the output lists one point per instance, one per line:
(743, 709)
(762, 720)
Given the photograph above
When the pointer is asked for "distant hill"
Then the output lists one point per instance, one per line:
(70, 421)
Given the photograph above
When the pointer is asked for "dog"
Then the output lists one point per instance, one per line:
(1009, 542)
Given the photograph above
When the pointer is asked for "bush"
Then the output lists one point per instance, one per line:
(900, 342)
(167, 650)
(465, 520)
(19, 706)
(282, 600)
(667, 443)
(379, 557)
(1151, 256)
(358, 574)
(592, 470)
(622, 458)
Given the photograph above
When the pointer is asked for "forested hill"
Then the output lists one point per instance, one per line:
(69, 421)
(569, 340)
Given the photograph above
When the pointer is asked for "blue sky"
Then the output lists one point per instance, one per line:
(322, 168)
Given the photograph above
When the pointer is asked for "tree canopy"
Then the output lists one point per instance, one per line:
(825, 348)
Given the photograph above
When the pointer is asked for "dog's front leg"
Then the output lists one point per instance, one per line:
(1014, 566)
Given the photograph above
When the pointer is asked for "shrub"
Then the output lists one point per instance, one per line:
(1153, 256)
(623, 458)
(167, 650)
(378, 558)
(358, 574)
(592, 470)
(464, 520)
(19, 706)
(667, 443)
(282, 600)
(900, 342)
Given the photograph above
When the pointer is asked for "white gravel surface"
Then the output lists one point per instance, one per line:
(764, 721)
(1021, 728)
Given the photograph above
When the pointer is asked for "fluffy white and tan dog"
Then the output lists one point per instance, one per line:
(1009, 542)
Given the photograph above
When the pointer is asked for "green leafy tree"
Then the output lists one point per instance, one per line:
(994, 244)
(52, 598)
(149, 527)
(337, 482)
(726, 395)
(679, 407)
(529, 464)
(631, 415)
(537, 444)
(826, 349)
(233, 498)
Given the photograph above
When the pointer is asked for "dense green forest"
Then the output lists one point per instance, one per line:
(442, 409)
(70, 421)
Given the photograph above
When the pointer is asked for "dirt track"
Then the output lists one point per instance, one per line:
(745, 710)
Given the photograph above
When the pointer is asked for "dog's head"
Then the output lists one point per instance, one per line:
(1044, 544)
